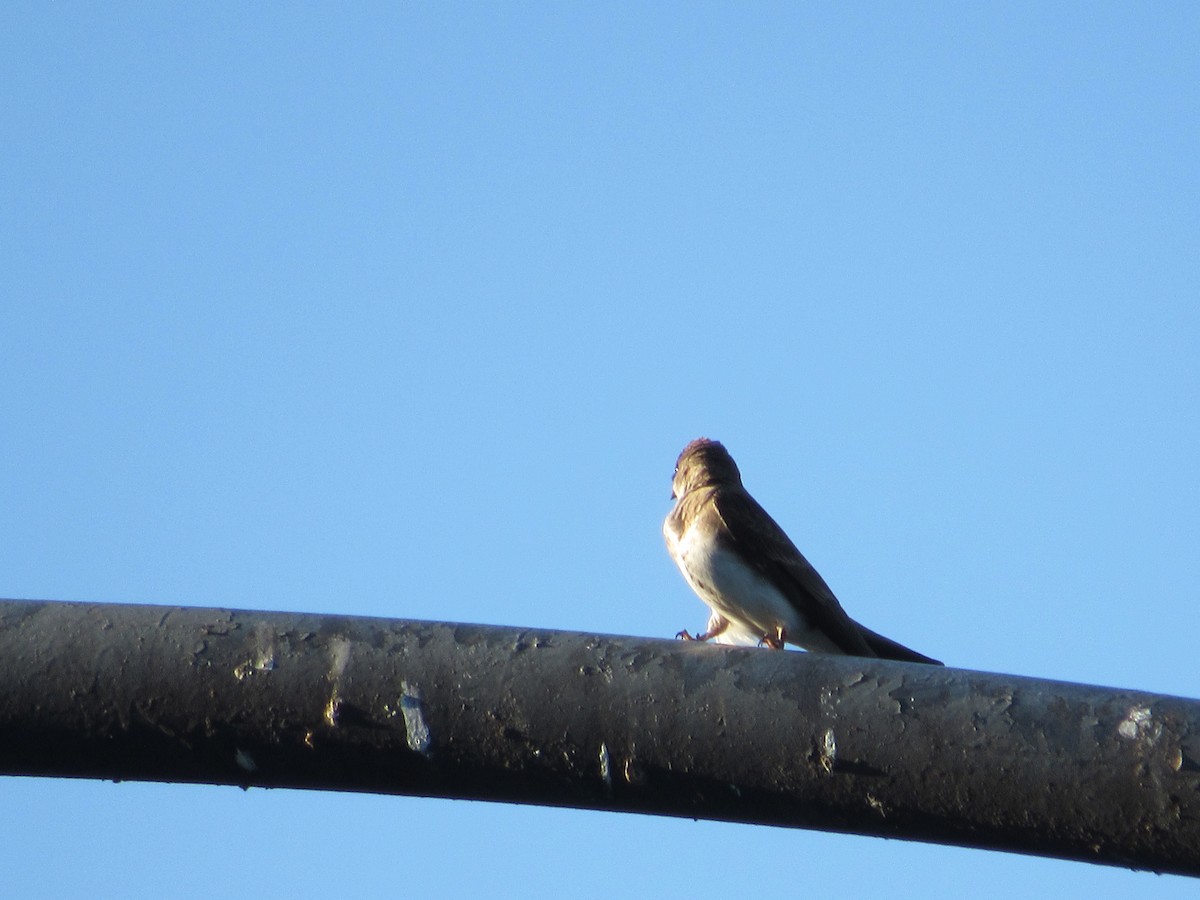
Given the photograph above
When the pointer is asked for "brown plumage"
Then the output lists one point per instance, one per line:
(742, 564)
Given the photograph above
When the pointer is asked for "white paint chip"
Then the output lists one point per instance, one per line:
(1139, 723)
(415, 729)
(828, 750)
(264, 654)
(339, 656)
(605, 765)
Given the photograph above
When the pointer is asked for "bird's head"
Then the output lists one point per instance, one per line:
(701, 464)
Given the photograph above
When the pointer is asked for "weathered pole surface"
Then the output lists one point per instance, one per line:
(601, 722)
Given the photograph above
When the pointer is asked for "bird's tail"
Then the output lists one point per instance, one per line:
(886, 648)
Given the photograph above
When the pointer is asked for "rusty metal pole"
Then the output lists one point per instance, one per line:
(601, 722)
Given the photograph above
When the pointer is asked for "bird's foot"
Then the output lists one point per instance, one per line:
(774, 641)
(686, 635)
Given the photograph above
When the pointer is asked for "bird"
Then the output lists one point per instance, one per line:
(759, 587)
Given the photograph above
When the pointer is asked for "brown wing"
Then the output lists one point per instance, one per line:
(765, 546)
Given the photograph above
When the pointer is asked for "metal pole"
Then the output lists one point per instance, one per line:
(601, 722)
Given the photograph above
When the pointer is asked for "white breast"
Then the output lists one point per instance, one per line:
(733, 590)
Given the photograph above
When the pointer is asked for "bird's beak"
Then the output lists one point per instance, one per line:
(673, 497)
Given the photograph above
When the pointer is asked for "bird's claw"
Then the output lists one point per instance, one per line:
(774, 641)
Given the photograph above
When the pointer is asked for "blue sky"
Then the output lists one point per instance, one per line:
(407, 309)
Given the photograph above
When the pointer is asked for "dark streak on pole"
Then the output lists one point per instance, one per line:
(613, 723)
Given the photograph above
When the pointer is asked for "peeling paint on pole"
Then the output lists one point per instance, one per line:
(415, 729)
